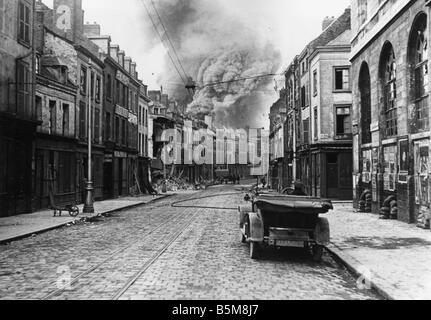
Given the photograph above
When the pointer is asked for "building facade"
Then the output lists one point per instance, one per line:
(330, 122)
(278, 160)
(62, 81)
(18, 117)
(121, 102)
(144, 162)
(391, 133)
(55, 180)
(318, 140)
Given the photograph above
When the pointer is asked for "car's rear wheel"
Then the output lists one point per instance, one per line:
(254, 250)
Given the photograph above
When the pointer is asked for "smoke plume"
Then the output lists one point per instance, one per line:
(216, 46)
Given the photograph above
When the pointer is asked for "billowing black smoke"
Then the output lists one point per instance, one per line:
(215, 46)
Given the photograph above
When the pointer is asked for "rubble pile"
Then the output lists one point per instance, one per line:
(175, 184)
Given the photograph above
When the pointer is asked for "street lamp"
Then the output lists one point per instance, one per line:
(89, 203)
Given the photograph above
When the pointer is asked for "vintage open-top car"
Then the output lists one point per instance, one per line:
(285, 221)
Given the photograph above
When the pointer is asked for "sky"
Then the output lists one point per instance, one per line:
(290, 24)
(206, 32)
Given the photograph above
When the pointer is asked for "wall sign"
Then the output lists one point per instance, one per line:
(390, 165)
(366, 166)
(122, 77)
(421, 173)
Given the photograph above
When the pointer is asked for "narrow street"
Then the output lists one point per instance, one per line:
(163, 252)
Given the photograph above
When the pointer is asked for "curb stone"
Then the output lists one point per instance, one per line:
(353, 265)
(83, 219)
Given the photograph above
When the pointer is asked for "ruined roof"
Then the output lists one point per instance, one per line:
(51, 61)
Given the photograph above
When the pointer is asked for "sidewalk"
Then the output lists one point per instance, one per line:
(395, 256)
(21, 226)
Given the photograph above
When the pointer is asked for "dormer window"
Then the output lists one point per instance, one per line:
(63, 74)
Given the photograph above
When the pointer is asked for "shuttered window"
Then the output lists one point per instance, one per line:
(24, 23)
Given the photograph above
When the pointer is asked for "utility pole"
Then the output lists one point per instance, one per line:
(89, 203)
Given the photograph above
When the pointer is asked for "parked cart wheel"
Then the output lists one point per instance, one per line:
(317, 253)
(74, 211)
(254, 250)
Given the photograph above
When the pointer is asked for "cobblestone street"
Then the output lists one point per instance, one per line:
(161, 252)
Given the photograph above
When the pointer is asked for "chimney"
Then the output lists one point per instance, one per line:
(133, 69)
(127, 64)
(121, 55)
(327, 22)
(92, 29)
(113, 52)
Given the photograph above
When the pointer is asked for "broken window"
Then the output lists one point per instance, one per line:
(342, 79)
(343, 122)
(388, 73)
